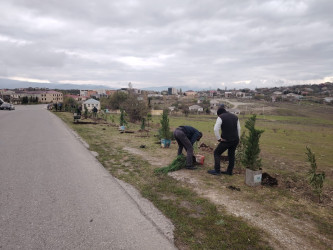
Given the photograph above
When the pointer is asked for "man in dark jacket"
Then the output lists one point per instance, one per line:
(186, 136)
(229, 139)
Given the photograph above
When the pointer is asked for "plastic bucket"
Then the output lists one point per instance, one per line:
(165, 143)
(200, 159)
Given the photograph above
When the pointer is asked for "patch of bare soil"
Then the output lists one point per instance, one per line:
(286, 232)
(155, 161)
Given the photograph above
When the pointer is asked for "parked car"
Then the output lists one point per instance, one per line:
(7, 106)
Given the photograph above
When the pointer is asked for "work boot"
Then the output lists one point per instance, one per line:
(214, 172)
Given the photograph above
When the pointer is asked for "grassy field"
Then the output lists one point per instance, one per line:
(204, 224)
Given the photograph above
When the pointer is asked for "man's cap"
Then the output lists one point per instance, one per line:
(220, 110)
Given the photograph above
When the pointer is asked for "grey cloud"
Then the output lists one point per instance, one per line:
(208, 42)
(33, 55)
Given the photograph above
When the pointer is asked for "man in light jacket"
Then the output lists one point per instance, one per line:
(228, 140)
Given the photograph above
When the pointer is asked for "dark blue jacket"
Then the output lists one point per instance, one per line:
(191, 133)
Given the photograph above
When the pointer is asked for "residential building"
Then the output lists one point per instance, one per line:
(195, 108)
(172, 91)
(84, 93)
(227, 94)
(110, 92)
(240, 94)
(49, 96)
(90, 104)
(88, 93)
(190, 93)
(100, 91)
(76, 97)
(212, 93)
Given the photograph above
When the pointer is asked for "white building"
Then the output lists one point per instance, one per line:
(240, 94)
(90, 104)
(83, 92)
(227, 94)
(195, 108)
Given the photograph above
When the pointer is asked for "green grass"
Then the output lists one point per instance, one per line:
(283, 147)
(199, 224)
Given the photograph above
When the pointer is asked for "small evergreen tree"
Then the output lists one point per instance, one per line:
(165, 132)
(251, 157)
(316, 179)
(143, 124)
(85, 111)
(149, 118)
(122, 120)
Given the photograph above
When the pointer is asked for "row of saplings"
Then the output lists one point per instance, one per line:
(248, 152)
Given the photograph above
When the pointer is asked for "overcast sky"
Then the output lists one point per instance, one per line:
(200, 43)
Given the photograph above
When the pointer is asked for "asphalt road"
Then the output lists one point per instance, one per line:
(55, 195)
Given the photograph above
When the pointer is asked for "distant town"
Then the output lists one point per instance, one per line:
(173, 99)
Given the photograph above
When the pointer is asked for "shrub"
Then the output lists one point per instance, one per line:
(165, 132)
(316, 180)
(122, 121)
(251, 157)
(143, 124)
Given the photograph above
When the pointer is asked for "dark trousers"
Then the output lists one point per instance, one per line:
(223, 146)
(184, 142)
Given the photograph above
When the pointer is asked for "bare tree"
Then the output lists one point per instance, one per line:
(135, 109)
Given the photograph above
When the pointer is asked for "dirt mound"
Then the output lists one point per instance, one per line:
(205, 147)
(268, 180)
